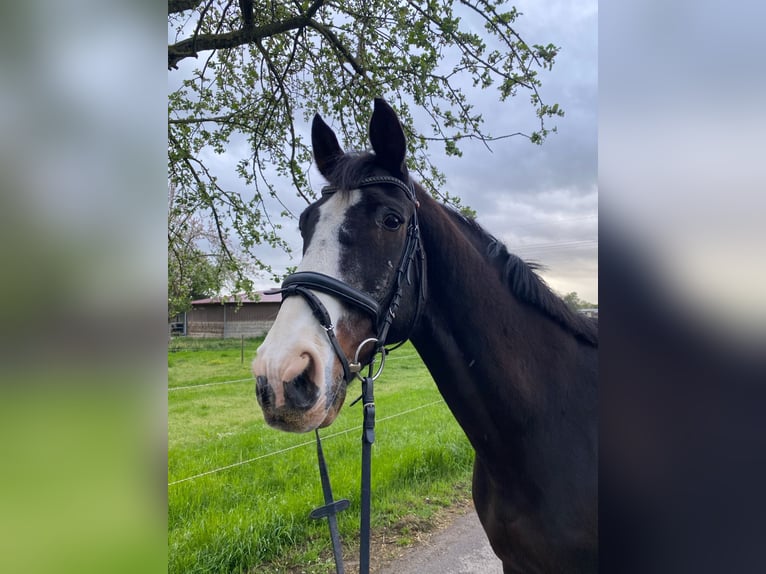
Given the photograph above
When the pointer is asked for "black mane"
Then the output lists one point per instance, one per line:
(524, 283)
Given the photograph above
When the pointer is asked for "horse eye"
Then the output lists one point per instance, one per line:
(392, 222)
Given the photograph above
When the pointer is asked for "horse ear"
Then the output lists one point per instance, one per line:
(327, 151)
(387, 137)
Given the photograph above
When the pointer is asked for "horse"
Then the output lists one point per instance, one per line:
(516, 366)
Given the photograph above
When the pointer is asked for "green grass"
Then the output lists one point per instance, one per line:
(202, 361)
(253, 517)
(180, 344)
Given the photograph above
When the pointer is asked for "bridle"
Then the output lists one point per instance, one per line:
(303, 283)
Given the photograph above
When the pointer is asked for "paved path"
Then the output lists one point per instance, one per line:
(461, 548)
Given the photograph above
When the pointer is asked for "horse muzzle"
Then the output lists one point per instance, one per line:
(298, 405)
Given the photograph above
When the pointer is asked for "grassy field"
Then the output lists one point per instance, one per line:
(253, 515)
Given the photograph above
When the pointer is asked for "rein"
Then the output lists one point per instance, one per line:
(303, 283)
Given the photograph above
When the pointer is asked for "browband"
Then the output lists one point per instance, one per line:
(376, 179)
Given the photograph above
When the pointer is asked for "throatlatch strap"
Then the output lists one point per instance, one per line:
(330, 509)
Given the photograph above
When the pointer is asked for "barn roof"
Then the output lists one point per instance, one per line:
(263, 298)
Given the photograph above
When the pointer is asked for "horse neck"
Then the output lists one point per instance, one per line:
(477, 340)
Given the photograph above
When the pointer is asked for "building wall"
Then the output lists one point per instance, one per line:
(205, 321)
(216, 320)
(247, 329)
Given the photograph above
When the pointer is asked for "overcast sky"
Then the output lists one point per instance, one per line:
(542, 201)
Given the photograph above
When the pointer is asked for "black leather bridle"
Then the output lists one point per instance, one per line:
(303, 283)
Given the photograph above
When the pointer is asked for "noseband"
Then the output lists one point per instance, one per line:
(304, 282)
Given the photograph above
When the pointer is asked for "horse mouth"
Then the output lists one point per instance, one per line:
(334, 403)
(286, 420)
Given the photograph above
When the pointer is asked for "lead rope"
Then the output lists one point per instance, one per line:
(368, 437)
(332, 507)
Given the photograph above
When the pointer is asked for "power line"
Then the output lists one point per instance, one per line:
(566, 247)
(554, 221)
(555, 244)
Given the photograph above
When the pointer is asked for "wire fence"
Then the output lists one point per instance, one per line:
(250, 379)
(238, 344)
(307, 443)
(191, 344)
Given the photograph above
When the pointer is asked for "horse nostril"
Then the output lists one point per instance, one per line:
(263, 391)
(301, 392)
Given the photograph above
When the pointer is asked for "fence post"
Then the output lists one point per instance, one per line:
(242, 353)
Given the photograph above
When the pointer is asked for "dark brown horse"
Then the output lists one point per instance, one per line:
(516, 366)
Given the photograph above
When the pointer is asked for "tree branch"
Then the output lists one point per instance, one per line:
(211, 205)
(175, 6)
(338, 45)
(246, 8)
(201, 43)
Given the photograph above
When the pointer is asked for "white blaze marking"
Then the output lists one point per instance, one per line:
(323, 254)
(296, 329)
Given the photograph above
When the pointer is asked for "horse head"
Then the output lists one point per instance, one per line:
(361, 252)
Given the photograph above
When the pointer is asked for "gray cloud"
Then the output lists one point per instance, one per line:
(541, 200)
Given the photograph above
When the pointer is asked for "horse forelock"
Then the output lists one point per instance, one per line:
(520, 277)
(353, 167)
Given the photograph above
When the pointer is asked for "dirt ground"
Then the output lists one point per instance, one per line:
(453, 543)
